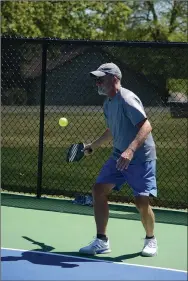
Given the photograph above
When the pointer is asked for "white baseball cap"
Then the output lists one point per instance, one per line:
(107, 68)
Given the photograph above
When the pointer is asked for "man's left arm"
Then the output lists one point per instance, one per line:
(144, 129)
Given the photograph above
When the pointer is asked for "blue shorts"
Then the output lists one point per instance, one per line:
(140, 177)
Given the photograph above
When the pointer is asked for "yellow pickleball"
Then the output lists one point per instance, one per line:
(63, 122)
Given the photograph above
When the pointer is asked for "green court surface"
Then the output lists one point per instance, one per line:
(61, 227)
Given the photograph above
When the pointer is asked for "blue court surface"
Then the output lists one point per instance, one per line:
(35, 265)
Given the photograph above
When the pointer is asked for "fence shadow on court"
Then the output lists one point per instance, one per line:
(118, 211)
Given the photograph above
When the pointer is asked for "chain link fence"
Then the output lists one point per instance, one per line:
(46, 79)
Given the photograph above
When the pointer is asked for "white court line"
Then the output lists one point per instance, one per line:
(82, 258)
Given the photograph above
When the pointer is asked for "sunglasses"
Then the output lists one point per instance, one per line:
(102, 79)
(99, 80)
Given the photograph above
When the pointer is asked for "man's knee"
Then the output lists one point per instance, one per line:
(100, 190)
(142, 203)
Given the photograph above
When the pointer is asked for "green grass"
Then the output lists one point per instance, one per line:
(20, 155)
(178, 85)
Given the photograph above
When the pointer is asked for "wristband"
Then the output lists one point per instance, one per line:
(132, 149)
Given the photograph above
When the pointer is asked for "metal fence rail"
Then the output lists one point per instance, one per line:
(45, 79)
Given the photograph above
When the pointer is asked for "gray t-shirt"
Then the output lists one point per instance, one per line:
(122, 113)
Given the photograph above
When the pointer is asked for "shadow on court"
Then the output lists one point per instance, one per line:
(42, 259)
(119, 211)
(46, 248)
(36, 257)
(62, 259)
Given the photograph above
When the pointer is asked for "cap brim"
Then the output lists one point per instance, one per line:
(97, 73)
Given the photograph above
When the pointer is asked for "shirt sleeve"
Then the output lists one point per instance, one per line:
(105, 115)
(134, 110)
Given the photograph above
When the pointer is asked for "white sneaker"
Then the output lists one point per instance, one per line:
(150, 247)
(98, 246)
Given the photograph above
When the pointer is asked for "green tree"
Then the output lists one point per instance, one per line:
(155, 20)
(65, 19)
(158, 20)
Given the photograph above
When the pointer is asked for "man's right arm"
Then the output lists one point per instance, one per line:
(106, 136)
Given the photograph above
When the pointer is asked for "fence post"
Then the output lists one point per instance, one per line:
(41, 126)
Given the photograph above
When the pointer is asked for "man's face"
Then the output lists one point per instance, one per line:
(105, 85)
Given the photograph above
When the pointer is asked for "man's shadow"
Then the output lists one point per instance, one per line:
(46, 248)
(41, 258)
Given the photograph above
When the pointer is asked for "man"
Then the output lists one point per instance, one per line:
(133, 159)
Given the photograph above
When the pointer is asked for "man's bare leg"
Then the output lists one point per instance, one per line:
(100, 203)
(148, 220)
(101, 212)
(146, 213)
